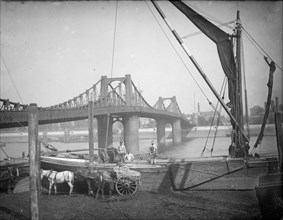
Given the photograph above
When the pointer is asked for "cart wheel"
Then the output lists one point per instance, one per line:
(126, 186)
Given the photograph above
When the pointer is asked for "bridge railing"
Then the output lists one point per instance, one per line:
(117, 96)
(91, 94)
(7, 105)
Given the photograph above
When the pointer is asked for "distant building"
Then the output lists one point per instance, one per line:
(207, 115)
(256, 111)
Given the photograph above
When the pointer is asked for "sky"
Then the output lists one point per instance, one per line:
(54, 51)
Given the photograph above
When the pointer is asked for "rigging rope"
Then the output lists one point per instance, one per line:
(205, 14)
(178, 54)
(209, 102)
(21, 125)
(224, 83)
(257, 46)
(199, 32)
(114, 40)
(11, 79)
(218, 120)
(245, 87)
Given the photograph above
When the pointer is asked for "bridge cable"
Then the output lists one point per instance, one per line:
(11, 79)
(114, 40)
(178, 54)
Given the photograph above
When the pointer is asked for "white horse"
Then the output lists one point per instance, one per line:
(55, 177)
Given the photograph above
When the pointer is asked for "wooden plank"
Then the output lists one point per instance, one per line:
(279, 136)
(90, 135)
(34, 161)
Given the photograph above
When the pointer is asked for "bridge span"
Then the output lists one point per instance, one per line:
(107, 104)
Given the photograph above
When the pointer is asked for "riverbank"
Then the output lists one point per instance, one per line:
(143, 205)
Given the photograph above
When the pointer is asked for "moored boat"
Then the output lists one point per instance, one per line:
(215, 173)
(240, 170)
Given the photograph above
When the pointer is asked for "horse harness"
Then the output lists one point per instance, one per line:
(49, 174)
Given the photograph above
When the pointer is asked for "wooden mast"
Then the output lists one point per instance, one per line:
(239, 99)
(191, 57)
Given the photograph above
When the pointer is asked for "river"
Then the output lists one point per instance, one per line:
(192, 147)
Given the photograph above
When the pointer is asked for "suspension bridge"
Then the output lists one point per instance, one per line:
(108, 104)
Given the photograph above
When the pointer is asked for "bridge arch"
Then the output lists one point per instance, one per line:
(161, 130)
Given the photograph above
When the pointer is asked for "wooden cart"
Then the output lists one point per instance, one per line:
(127, 181)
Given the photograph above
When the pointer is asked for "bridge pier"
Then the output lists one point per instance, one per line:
(104, 130)
(90, 135)
(161, 136)
(66, 135)
(176, 131)
(131, 133)
(44, 136)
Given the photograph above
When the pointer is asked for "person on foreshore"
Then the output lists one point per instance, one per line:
(129, 157)
(247, 148)
(153, 153)
(122, 151)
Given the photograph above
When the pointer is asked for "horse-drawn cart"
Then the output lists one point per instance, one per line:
(127, 181)
(124, 180)
(7, 179)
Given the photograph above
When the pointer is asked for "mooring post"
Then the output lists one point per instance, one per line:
(90, 135)
(34, 161)
(279, 134)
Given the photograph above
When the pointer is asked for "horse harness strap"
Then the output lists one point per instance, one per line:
(55, 177)
(49, 174)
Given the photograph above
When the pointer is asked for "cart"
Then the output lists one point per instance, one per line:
(127, 181)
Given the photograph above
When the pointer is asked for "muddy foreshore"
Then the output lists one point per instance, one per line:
(143, 205)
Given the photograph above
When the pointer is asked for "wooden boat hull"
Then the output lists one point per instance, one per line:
(270, 196)
(205, 174)
(21, 163)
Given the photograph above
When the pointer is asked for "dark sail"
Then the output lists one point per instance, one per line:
(224, 44)
(272, 69)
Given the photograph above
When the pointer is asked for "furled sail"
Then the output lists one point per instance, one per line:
(224, 43)
(272, 69)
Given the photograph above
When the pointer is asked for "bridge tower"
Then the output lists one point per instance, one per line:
(130, 123)
(161, 123)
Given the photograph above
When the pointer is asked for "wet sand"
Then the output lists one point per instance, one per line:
(143, 205)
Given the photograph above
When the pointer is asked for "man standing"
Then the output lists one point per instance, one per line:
(122, 151)
(129, 157)
(153, 153)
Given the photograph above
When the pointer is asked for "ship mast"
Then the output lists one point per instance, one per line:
(191, 57)
(239, 99)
